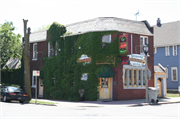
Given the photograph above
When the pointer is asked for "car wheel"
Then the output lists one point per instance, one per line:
(4, 99)
(21, 101)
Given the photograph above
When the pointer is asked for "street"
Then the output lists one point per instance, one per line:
(73, 110)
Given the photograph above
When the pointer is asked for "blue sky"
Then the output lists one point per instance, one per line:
(44, 12)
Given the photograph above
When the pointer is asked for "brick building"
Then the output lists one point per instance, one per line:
(126, 81)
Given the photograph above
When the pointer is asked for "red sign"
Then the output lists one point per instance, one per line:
(123, 44)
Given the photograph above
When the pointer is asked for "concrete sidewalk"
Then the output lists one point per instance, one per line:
(138, 102)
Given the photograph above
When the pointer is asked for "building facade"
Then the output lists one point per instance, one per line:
(167, 51)
(126, 81)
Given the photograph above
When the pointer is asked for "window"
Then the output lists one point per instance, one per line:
(104, 83)
(174, 76)
(126, 77)
(144, 78)
(133, 77)
(167, 51)
(106, 39)
(53, 82)
(155, 50)
(50, 50)
(56, 48)
(130, 77)
(140, 78)
(143, 41)
(174, 50)
(35, 51)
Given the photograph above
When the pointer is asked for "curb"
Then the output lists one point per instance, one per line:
(144, 104)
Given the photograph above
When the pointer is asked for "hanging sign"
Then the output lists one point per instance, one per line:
(84, 58)
(84, 77)
(123, 44)
(136, 60)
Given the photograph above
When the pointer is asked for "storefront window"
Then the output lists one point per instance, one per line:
(140, 77)
(135, 77)
(130, 77)
(104, 83)
(125, 77)
(144, 81)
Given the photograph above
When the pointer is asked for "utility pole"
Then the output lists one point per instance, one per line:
(26, 57)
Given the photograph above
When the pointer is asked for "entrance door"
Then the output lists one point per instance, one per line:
(105, 88)
(40, 87)
(159, 87)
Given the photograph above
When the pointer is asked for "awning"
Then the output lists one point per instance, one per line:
(104, 71)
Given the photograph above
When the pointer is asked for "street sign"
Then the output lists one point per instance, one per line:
(36, 73)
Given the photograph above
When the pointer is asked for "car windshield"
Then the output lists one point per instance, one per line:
(14, 89)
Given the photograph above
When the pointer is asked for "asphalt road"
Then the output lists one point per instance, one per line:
(15, 110)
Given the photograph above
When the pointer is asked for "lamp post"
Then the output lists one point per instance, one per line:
(146, 50)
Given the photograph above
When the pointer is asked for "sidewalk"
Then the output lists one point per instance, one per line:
(138, 102)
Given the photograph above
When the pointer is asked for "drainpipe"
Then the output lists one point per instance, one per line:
(131, 44)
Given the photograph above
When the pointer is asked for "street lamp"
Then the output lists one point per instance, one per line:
(146, 50)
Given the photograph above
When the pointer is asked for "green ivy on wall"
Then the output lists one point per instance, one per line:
(64, 69)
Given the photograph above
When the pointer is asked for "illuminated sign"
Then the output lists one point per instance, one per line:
(123, 44)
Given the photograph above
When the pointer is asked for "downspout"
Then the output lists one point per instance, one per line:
(131, 44)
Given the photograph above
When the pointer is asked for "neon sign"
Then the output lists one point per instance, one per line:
(123, 44)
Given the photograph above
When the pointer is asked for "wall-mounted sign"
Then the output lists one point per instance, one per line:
(36, 73)
(136, 59)
(123, 44)
(84, 77)
(84, 58)
(125, 60)
(105, 90)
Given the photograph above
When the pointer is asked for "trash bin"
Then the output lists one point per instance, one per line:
(153, 92)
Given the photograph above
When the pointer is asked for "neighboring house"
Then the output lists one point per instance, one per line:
(38, 50)
(122, 82)
(167, 51)
(13, 64)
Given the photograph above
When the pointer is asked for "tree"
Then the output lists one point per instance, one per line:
(10, 44)
(43, 28)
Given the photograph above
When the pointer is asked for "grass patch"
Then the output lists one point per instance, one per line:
(173, 95)
(42, 102)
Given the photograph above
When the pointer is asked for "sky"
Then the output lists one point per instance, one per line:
(45, 12)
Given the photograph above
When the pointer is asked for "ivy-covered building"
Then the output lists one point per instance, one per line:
(93, 55)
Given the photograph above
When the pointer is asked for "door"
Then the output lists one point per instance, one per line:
(105, 88)
(159, 87)
(40, 87)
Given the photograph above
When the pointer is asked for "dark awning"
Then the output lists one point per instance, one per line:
(104, 71)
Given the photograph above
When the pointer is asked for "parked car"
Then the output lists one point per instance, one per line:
(9, 93)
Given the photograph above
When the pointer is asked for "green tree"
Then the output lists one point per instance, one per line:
(10, 44)
(43, 28)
